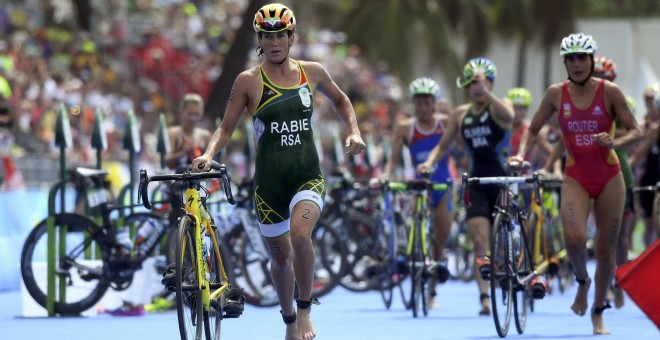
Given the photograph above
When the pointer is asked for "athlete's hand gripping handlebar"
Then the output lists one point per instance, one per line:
(221, 173)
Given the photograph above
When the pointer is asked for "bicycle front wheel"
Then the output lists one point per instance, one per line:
(188, 294)
(82, 268)
(501, 287)
(417, 275)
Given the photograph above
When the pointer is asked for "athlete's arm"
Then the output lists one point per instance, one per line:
(502, 107)
(542, 141)
(205, 137)
(545, 111)
(553, 157)
(650, 136)
(621, 110)
(238, 101)
(448, 137)
(354, 143)
(397, 146)
(174, 154)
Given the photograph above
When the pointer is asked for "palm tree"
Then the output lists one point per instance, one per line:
(470, 20)
(515, 18)
(392, 31)
(235, 61)
(557, 20)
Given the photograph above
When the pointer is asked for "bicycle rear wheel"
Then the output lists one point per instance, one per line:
(523, 301)
(501, 287)
(565, 278)
(387, 277)
(464, 255)
(255, 274)
(359, 242)
(213, 318)
(330, 259)
(82, 278)
(188, 295)
(387, 283)
(534, 243)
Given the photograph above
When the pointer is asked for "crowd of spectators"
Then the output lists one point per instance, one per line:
(142, 56)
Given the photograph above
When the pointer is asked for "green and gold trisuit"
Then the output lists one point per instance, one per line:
(287, 163)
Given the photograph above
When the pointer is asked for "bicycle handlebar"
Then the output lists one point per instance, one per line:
(221, 173)
(414, 184)
(506, 180)
(655, 187)
(550, 183)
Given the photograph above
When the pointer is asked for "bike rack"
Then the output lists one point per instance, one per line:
(163, 146)
(63, 140)
(100, 143)
(99, 140)
(133, 145)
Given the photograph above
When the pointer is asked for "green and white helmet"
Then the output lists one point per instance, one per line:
(631, 103)
(578, 43)
(473, 66)
(424, 86)
(520, 96)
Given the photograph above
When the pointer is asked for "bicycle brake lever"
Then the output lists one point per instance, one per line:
(537, 189)
(465, 191)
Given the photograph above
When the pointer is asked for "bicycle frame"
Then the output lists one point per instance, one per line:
(196, 208)
(199, 219)
(540, 207)
(417, 236)
(421, 189)
(507, 263)
(656, 198)
(508, 185)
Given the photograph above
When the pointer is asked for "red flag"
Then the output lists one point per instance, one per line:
(13, 179)
(639, 278)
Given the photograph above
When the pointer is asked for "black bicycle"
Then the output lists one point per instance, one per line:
(88, 258)
(510, 268)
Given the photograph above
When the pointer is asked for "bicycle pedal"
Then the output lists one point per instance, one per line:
(372, 271)
(553, 266)
(484, 272)
(169, 277)
(89, 276)
(228, 315)
(538, 290)
(402, 266)
(233, 303)
(440, 272)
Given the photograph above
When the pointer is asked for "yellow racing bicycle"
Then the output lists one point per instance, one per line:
(204, 293)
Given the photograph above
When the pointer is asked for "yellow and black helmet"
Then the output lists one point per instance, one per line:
(274, 18)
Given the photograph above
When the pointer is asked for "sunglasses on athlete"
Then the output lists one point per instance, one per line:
(576, 56)
(272, 26)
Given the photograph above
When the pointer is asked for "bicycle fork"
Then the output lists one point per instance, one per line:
(418, 227)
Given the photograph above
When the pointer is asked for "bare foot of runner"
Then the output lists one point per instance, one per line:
(599, 327)
(581, 303)
(291, 332)
(618, 297)
(305, 326)
(485, 304)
